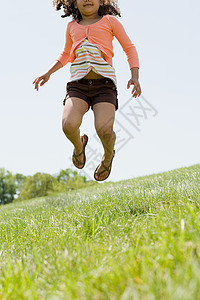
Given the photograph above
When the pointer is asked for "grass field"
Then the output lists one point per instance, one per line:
(134, 239)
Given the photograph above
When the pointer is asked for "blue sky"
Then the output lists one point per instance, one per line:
(168, 44)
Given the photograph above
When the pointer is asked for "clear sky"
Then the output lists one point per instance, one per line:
(166, 35)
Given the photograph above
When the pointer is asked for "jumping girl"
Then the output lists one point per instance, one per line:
(88, 46)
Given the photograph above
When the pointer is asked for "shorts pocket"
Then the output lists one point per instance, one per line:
(112, 87)
(70, 84)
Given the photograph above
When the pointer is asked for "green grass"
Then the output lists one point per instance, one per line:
(134, 239)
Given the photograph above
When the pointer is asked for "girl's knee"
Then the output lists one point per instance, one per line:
(69, 126)
(106, 132)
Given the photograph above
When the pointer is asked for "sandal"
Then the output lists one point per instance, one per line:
(108, 169)
(76, 162)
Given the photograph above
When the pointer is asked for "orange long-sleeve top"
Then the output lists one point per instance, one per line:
(101, 35)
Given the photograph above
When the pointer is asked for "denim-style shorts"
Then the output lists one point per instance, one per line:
(93, 91)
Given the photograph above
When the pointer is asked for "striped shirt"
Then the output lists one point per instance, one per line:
(89, 57)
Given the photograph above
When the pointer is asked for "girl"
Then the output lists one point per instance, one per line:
(88, 46)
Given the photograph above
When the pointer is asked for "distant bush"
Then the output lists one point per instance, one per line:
(37, 185)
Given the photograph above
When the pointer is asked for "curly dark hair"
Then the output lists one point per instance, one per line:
(109, 7)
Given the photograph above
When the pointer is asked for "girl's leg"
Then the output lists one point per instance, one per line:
(73, 112)
(104, 115)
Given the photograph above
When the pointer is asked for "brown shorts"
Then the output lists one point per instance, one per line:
(93, 91)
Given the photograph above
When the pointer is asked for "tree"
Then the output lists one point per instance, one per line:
(7, 186)
(19, 187)
(64, 175)
(69, 176)
(19, 181)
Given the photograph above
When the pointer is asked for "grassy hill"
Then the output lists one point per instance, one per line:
(134, 239)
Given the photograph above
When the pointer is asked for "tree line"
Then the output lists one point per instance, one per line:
(19, 187)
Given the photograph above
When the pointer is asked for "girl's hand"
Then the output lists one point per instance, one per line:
(137, 89)
(44, 77)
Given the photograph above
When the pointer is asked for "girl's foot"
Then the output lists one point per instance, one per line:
(79, 160)
(104, 168)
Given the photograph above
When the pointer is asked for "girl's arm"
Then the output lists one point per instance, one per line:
(131, 53)
(54, 67)
(135, 81)
(61, 60)
(45, 76)
(65, 54)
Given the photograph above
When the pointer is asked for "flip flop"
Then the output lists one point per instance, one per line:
(108, 169)
(76, 162)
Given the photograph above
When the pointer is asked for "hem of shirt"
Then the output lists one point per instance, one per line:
(78, 78)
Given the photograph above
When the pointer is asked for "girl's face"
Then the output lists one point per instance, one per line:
(88, 7)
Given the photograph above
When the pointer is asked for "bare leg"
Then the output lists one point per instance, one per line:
(73, 112)
(104, 114)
